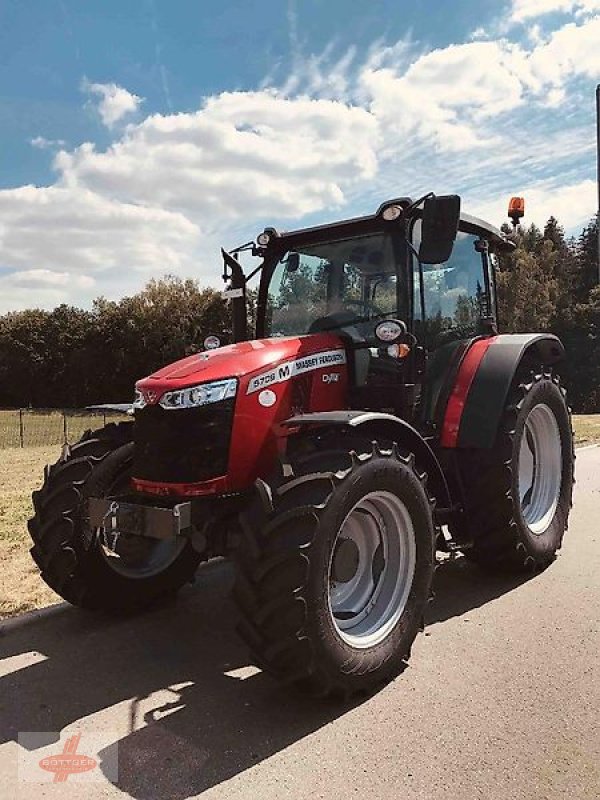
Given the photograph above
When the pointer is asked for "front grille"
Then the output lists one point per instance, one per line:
(183, 445)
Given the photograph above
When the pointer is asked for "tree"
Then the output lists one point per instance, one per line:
(527, 289)
(69, 357)
(168, 320)
(587, 261)
(23, 351)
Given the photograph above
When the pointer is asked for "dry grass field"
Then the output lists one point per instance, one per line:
(587, 428)
(21, 472)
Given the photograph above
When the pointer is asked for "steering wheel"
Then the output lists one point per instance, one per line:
(376, 309)
(339, 319)
(331, 321)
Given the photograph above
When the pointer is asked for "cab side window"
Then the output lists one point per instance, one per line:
(454, 293)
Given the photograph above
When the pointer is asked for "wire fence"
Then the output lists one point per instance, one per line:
(26, 427)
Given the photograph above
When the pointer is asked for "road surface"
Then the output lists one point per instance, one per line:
(501, 699)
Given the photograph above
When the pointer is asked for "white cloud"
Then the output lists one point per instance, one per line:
(450, 97)
(527, 9)
(477, 118)
(14, 296)
(74, 230)
(572, 51)
(41, 143)
(68, 244)
(47, 277)
(479, 33)
(115, 102)
(43, 288)
(253, 152)
(158, 199)
(445, 94)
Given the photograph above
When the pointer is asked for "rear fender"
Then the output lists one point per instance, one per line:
(476, 403)
(379, 426)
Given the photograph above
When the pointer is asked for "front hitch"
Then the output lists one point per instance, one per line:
(116, 518)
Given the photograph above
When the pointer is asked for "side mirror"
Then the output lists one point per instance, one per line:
(293, 262)
(438, 228)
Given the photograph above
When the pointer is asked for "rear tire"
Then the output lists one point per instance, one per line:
(72, 558)
(330, 614)
(519, 493)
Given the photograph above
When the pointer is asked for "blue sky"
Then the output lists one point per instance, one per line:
(136, 137)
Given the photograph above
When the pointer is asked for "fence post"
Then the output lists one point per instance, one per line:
(64, 426)
(104, 418)
(21, 436)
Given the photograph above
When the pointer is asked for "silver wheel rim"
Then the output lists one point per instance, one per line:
(540, 468)
(371, 569)
(159, 555)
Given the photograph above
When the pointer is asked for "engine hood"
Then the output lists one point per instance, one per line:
(236, 361)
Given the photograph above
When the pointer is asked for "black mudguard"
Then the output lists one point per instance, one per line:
(379, 426)
(487, 395)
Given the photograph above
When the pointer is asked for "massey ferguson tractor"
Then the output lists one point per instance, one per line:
(375, 416)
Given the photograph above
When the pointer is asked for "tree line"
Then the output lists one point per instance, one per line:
(550, 283)
(70, 357)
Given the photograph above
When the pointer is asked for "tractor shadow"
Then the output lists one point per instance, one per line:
(460, 586)
(195, 714)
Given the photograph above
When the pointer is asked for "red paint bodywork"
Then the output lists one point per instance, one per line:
(257, 431)
(458, 398)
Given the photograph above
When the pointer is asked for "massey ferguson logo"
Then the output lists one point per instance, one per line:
(282, 373)
(150, 396)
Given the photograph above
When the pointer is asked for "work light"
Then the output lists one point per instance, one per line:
(391, 213)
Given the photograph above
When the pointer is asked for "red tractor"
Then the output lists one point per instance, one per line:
(376, 416)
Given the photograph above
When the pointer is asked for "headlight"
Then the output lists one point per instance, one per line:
(139, 400)
(200, 395)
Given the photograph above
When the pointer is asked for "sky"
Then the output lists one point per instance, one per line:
(137, 138)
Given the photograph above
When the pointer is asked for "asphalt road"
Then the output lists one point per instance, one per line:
(501, 698)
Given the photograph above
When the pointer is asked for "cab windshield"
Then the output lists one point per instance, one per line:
(332, 285)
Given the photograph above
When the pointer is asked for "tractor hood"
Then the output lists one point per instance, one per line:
(276, 379)
(241, 360)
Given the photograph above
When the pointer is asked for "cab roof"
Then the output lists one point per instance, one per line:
(373, 222)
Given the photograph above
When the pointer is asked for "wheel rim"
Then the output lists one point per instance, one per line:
(135, 556)
(139, 556)
(371, 569)
(540, 468)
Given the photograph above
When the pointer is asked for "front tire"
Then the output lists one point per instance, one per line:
(518, 495)
(334, 572)
(77, 562)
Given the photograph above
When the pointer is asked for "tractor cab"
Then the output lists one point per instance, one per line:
(401, 288)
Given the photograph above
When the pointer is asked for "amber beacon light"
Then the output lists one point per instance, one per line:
(516, 209)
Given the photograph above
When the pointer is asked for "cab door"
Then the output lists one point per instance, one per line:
(452, 305)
